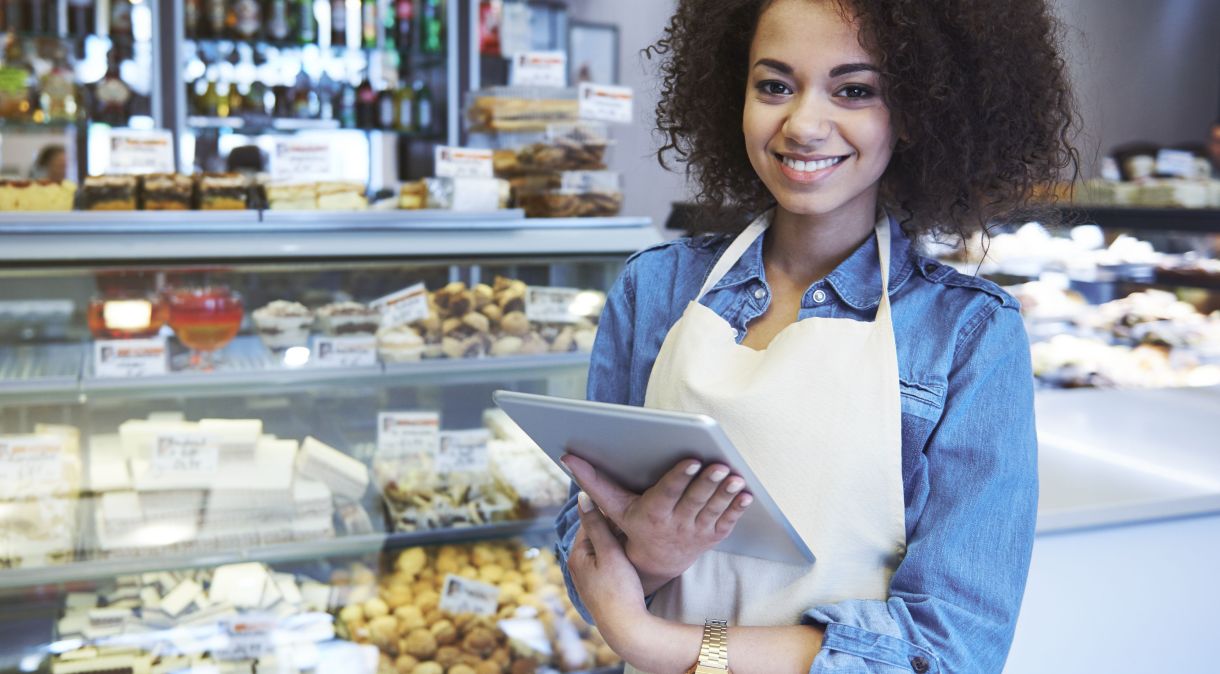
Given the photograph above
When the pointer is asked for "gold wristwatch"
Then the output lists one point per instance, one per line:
(714, 653)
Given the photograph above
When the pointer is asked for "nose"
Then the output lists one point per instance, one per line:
(810, 121)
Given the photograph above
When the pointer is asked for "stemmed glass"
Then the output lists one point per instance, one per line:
(205, 318)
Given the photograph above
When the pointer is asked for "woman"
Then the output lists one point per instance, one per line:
(894, 428)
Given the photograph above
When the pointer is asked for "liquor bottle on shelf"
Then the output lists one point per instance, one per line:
(59, 99)
(369, 24)
(338, 24)
(425, 112)
(386, 105)
(404, 109)
(191, 15)
(433, 27)
(345, 105)
(237, 102)
(306, 28)
(366, 104)
(281, 108)
(278, 26)
(112, 96)
(15, 76)
(255, 105)
(326, 97)
(214, 19)
(247, 19)
(120, 21)
(306, 103)
(404, 28)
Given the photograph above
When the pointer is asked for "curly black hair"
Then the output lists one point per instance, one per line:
(978, 87)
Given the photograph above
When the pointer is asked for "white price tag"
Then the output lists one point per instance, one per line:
(27, 460)
(136, 151)
(184, 454)
(130, 357)
(403, 435)
(462, 595)
(515, 33)
(403, 307)
(302, 159)
(1176, 163)
(476, 194)
(605, 102)
(463, 451)
(539, 69)
(551, 305)
(353, 351)
(462, 162)
(247, 638)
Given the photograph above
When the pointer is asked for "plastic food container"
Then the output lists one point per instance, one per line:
(571, 194)
(500, 109)
(579, 146)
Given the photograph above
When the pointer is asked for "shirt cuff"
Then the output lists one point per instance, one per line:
(567, 523)
(861, 636)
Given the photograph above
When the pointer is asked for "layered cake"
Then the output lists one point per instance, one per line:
(223, 192)
(109, 193)
(36, 195)
(348, 318)
(342, 196)
(291, 197)
(283, 324)
(167, 192)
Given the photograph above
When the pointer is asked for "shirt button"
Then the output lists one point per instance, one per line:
(929, 268)
(819, 296)
(919, 664)
(759, 294)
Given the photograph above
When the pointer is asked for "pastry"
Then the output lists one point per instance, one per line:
(109, 193)
(166, 192)
(291, 196)
(411, 196)
(282, 324)
(348, 318)
(401, 344)
(223, 192)
(342, 196)
(36, 195)
(345, 476)
(503, 113)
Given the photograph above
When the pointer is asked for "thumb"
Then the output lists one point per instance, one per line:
(605, 492)
(595, 526)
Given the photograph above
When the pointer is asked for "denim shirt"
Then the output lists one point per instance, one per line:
(969, 449)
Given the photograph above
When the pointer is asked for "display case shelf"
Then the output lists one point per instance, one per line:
(1205, 220)
(64, 373)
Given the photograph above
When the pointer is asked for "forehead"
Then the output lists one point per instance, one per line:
(807, 34)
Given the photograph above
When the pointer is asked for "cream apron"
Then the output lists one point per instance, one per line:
(818, 417)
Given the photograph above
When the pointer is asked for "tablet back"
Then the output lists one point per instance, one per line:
(635, 446)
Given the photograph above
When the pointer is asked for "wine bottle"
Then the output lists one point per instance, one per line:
(404, 112)
(425, 117)
(247, 19)
(404, 32)
(276, 14)
(112, 96)
(209, 100)
(433, 27)
(191, 14)
(306, 28)
(338, 23)
(368, 23)
(214, 16)
(366, 104)
(120, 21)
(386, 108)
(345, 105)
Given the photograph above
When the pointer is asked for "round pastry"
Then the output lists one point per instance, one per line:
(375, 608)
(564, 342)
(492, 312)
(409, 618)
(488, 667)
(282, 324)
(405, 663)
(383, 631)
(477, 321)
(444, 631)
(461, 669)
(515, 323)
(420, 643)
(507, 346)
(400, 344)
(412, 561)
(480, 641)
(428, 668)
(483, 295)
(450, 326)
(523, 666)
(448, 656)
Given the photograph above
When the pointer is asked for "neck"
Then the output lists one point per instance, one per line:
(805, 248)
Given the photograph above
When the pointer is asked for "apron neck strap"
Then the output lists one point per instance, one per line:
(742, 243)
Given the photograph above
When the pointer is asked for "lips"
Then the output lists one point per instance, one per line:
(811, 170)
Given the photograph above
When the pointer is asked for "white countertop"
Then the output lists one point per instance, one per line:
(1111, 457)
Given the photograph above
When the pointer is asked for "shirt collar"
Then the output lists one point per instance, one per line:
(857, 280)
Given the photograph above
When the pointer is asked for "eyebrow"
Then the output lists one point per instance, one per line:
(837, 71)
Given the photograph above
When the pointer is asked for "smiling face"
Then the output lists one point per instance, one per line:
(816, 129)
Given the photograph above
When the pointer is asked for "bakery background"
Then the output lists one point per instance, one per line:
(249, 329)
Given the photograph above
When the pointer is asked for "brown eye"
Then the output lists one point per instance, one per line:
(855, 91)
(773, 88)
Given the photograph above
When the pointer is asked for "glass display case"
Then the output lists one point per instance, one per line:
(266, 444)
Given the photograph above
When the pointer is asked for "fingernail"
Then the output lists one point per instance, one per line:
(693, 468)
(746, 500)
(735, 486)
(586, 503)
(718, 475)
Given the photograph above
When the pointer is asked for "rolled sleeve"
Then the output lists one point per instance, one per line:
(955, 596)
(608, 382)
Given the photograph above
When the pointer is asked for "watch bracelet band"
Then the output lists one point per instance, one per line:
(714, 651)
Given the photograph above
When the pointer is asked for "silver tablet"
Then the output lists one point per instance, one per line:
(636, 446)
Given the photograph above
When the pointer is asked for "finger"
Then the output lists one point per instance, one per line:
(727, 521)
(702, 488)
(595, 526)
(580, 554)
(719, 501)
(606, 493)
(666, 493)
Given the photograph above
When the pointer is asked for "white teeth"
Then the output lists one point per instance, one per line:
(810, 166)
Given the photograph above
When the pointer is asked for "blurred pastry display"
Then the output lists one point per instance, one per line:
(536, 479)
(519, 592)
(223, 191)
(109, 193)
(282, 324)
(40, 477)
(316, 196)
(499, 109)
(564, 147)
(36, 195)
(570, 194)
(348, 318)
(412, 195)
(167, 192)
(419, 499)
(400, 344)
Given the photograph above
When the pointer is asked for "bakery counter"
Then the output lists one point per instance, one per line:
(1120, 457)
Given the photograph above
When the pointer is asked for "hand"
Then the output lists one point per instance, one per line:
(605, 579)
(668, 526)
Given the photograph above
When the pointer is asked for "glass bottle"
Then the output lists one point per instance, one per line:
(15, 75)
(209, 100)
(326, 96)
(404, 27)
(237, 107)
(368, 23)
(433, 27)
(278, 28)
(338, 23)
(306, 22)
(247, 19)
(386, 105)
(59, 97)
(112, 96)
(366, 104)
(191, 15)
(215, 19)
(255, 104)
(425, 112)
(306, 103)
(404, 109)
(345, 105)
(120, 21)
